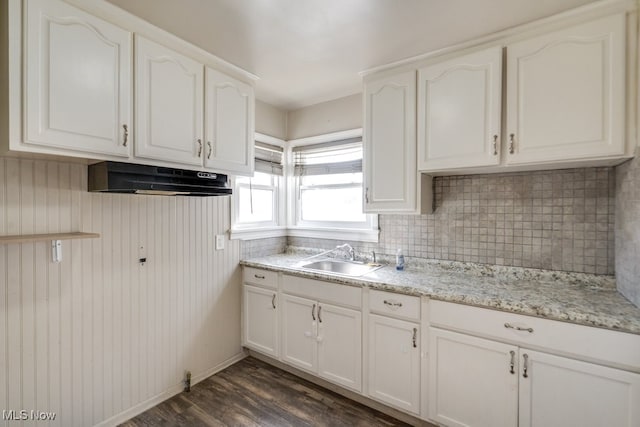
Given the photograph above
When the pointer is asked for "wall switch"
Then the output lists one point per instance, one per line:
(219, 242)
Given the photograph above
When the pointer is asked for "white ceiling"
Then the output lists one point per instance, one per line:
(310, 51)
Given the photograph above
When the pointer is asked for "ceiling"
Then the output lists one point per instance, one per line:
(310, 51)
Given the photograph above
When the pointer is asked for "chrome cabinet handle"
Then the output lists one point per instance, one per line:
(518, 328)
(125, 137)
(258, 277)
(319, 313)
(273, 301)
(415, 337)
(512, 364)
(525, 367)
(511, 143)
(495, 145)
(392, 303)
(313, 312)
(199, 147)
(210, 149)
(366, 195)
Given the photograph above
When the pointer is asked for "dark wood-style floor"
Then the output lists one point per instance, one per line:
(253, 393)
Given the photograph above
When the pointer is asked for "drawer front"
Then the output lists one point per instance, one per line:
(598, 345)
(394, 305)
(344, 295)
(255, 276)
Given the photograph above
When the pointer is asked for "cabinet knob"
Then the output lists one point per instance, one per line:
(366, 195)
(125, 135)
(273, 301)
(525, 367)
(512, 364)
(210, 149)
(313, 312)
(415, 337)
(319, 313)
(495, 145)
(511, 143)
(199, 147)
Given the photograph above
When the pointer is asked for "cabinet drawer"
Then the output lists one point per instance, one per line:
(255, 276)
(395, 305)
(617, 349)
(344, 295)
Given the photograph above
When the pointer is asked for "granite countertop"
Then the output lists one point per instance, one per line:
(571, 297)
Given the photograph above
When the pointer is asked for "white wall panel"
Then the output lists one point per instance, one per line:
(97, 337)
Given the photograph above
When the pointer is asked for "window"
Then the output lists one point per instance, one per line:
(328, 186)
(258, 200)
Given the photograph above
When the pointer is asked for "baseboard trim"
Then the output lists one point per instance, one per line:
(402, 416)
(167, 394)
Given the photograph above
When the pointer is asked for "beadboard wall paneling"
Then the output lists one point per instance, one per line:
(99, 336)
(557, 220)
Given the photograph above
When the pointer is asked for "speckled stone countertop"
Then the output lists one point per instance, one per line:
(571, 297)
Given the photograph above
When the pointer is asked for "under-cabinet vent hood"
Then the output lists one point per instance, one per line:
(115, 177)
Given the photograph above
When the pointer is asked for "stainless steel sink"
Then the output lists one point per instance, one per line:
(345, 268)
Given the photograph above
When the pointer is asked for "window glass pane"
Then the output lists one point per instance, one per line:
(339, 178)
(323, 204)
(262, 205)
(259, 178)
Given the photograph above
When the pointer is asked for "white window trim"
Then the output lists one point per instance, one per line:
(255, 230)
(287, 211)
(368, 234)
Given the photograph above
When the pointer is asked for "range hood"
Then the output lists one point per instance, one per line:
(115, 177)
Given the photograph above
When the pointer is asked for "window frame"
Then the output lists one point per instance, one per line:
(261, 229)
(366, 231)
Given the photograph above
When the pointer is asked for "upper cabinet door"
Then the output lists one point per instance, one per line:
(229, 124)
(390, 168)
(77, 80)
(566, 94)
(169, 105)
(459, 107)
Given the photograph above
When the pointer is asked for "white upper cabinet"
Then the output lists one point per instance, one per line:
(229, 124)
(390, 169)
(77, 81)
(566, 94)
(169, 104)
(459, 108)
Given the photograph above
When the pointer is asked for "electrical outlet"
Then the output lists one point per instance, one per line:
(219, 242)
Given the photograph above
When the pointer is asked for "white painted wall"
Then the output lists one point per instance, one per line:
(98, 336)
(327, 117)
(271, 120)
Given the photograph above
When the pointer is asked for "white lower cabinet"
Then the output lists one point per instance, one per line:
(394, 362)
(471, 381)
(260, 319)
(559, 391)
(324, 339)
(480, 382)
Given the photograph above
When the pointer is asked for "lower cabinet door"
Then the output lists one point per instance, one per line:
(260, 320)
(471, 381)
(340, 346)
(299, 327)
(558, 391)
(394, 362)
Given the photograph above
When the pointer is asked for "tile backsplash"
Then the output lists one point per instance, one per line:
(558, 220)
(262, 247)
(628, 229)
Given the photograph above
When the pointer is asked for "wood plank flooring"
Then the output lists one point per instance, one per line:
(253, 393)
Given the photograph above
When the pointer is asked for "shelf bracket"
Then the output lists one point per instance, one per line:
(56, 250)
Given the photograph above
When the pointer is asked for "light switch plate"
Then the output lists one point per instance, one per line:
(219, 242)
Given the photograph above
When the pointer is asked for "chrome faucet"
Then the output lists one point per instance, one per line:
(347, 247)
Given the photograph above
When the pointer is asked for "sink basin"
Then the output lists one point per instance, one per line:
(346, 268)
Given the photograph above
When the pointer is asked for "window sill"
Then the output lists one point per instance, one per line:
(359, 235)
(257, 233)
